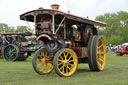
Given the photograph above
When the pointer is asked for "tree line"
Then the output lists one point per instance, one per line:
(5, 28)
(116, 31)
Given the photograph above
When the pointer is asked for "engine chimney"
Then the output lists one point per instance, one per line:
(55, 6)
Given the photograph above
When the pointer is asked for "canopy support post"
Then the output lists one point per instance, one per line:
(27, 22)
(35, 24)
(53, 23)
(60, 25)
(65, 29)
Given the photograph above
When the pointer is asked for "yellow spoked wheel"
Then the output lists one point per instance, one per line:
(96, 53)
(65, 62)
(42, 62)
(101, 53)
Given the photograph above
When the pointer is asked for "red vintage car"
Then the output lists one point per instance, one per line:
(121, 50)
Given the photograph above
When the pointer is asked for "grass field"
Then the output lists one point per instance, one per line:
(22, 73)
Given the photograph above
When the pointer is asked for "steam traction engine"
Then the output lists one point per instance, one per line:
(68, 41)
(20, 46)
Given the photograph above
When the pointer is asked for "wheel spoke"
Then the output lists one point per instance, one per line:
(70, 64)
(45, 54)
(69, 68)
(39, 68)
(64, 55)
(42, 54)
(61, 57)
(59, 60)
(99, 64)
(67, 55)
(46, 67)
(70, 57)
(47, 58)
(100, 46)
(62, 68)
(60, 64)
(66, 68)
(100, 60)
(38, 63)
(71, 61)
(100, 53)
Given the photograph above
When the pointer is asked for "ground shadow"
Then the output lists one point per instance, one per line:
(83, 70)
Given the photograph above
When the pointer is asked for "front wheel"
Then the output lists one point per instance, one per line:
(42, 62)
(65, 62)
(96, 53)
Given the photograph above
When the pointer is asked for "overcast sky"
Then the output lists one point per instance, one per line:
(11, 9)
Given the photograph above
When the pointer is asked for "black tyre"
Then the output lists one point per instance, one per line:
(11, 52)
(21, 57)
(41, 62)
(65, 62)
(96, 53)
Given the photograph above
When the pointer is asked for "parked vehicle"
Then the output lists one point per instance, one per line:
(19, 46)
(68, 41)
(121, 50)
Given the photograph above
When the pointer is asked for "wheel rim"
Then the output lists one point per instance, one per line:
(67, 62)
(10, 53)
(43, 63)
(101, 53)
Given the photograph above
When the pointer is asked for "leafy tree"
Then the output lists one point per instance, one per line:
(23, 29)
(117, 27)
(6, 28)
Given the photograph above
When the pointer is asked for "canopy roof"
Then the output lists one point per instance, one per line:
(29, 16)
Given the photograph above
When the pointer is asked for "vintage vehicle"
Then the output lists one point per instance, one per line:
(68, 41)
(19, 47)
(121, 50)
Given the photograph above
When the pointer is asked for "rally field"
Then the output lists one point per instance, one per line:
(22, 73)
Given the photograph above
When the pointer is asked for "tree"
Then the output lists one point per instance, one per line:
(6, 28)
(117, 27)
(23, 29)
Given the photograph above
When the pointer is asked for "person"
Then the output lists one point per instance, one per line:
(0, 41)
(4, 41)
(0, 46)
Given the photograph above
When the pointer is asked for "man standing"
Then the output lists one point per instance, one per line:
(4, 41)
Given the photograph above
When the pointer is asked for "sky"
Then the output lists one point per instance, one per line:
(11, 9)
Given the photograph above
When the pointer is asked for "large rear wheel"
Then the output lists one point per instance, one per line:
(11, 52)
(65, 62)
(96, 53)
(42, 62)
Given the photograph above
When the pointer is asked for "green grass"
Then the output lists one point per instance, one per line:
(22, 73)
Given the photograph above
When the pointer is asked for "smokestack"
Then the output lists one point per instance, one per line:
(55, 6)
